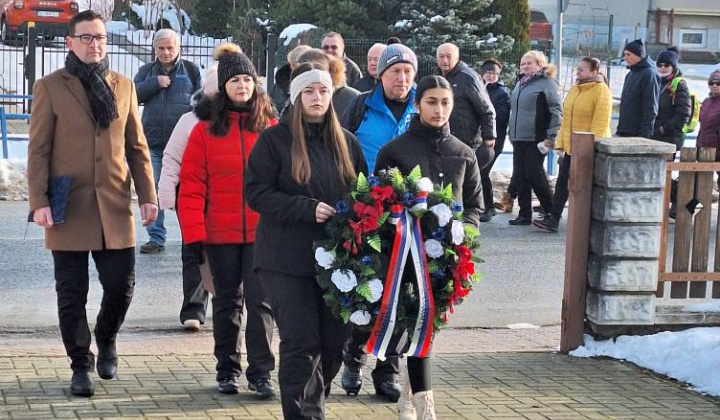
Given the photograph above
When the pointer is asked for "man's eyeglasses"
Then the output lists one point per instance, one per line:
(714, 83)
(329, 47)
(88, 39)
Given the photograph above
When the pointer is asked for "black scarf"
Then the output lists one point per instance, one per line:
(101, 97)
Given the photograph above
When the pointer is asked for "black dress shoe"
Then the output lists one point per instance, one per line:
(351, 379)
(263, 388)
(107, 360)
(389, 389)
(82, 385)
(520, 221)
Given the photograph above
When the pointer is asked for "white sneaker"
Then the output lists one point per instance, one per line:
(191, 325)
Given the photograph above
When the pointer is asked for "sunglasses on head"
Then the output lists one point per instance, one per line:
(714, 83)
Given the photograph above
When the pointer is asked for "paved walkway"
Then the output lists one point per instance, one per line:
(171, 375)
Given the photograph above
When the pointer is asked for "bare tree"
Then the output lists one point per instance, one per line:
(103, 7)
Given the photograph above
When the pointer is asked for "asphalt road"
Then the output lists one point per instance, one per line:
(522, 278)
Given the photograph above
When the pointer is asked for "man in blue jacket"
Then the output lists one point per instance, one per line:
(165, 87)
(376, 117)
(640, 94)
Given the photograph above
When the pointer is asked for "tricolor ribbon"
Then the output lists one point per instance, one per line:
(408, 239)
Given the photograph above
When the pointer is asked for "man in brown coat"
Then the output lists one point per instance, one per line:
(85, 125)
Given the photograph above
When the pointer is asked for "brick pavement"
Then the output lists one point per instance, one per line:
(472, 380)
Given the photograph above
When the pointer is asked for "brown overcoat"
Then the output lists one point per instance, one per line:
(65, 140)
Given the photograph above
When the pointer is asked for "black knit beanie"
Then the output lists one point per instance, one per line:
(669, 56)
(636, 47)
(230, 65)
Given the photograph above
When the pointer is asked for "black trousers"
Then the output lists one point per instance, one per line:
(560, 197)
(530, 176)
(388, 369)
(487, 187)
(236, 284)
(116, 271)
(195, 297)
(311, 343)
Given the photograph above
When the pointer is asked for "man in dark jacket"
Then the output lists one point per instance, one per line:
(334, 44)
(641, 90)
(165, 87)
(368, 82)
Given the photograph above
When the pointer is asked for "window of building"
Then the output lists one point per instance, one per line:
(693, 38)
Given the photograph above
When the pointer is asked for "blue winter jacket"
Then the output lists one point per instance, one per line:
(639, 100)
(378, 124)
(164, 107)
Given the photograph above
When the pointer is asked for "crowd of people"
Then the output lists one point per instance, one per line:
(254, 176)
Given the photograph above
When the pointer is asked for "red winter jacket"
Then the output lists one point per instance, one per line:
(211, 204)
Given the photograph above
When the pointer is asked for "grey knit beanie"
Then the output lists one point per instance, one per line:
(396, 53)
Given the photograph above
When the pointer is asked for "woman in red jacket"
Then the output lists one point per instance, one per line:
(213, 213)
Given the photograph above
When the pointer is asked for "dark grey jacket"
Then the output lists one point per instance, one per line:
(473, 116)
(164, 107)
(352, 71)
(536, 108)
(639, 101)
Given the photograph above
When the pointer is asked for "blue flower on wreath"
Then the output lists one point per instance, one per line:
(373, 181)
(437, 234)
(367, 261)
(456, 206)
(408, 198)
(342, 207)
(346, 302)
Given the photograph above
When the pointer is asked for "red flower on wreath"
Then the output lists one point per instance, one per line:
(368, 220)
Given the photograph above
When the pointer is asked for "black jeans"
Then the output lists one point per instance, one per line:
(385, 370)
(116, 271)
(560, 197)
(487, 187)
(311, 343)
(530, 176)
(195, 297)
(236, 284)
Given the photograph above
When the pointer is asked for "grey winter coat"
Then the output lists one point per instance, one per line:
(639, 101)
(164, 107)
(473, 116)
(536, 108)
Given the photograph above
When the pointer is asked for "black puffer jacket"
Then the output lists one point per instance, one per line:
(287, 228)
(281, 89)
(442, 158)
(639, 101)
(473, 117)
(674, 111)
(500, 98)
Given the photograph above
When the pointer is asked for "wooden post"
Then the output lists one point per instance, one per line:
(578, 241)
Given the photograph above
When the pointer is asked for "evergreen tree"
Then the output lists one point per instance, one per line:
(212, 17)
(514, 21)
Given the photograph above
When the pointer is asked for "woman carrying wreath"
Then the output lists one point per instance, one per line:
(297, 171)
(445, 160)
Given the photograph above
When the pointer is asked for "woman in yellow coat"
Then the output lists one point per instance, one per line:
(588, 107)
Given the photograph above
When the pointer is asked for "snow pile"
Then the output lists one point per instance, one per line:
(13, 185)
(690, 356)
(293, 31)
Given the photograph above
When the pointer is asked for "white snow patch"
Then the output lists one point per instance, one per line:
(117, 27)
(703, 307)
(293, 31)
(690, 356)
(13, 185)
(436, 18)
(522, 326)
(402, 23)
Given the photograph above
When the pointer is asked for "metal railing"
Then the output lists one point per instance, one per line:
(5, 116)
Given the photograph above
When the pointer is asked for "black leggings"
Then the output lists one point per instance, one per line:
(530, 176)
(419, 373)
(487, 187)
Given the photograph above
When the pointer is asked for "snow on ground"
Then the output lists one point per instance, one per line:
(713, 306)
(690, 356)
(293, 31)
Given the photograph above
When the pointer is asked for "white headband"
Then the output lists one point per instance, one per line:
(306, 79)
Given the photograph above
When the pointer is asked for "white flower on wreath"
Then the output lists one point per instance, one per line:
(425, 184)
(376, 290)
(360, 317)
(324, 257)
(458, 232)
(434, 248)
(344, 280)
(443, 213)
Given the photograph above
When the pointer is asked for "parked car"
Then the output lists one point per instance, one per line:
(541, 31)
(50, 16)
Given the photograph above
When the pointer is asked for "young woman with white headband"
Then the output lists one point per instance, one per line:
(296, 173)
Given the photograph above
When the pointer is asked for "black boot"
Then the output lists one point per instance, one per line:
(82, 385)
(389, 389)
(351, 379)
(488, 214)
(549, 223)
(107, 360)
(520, 221)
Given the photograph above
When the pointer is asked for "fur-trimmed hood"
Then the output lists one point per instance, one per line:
(203, 108)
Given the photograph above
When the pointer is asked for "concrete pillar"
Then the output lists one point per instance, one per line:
(627, 211)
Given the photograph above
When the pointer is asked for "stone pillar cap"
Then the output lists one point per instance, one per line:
(633, 146)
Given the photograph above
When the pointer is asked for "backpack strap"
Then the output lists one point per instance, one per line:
(191, 70)
(674, 85)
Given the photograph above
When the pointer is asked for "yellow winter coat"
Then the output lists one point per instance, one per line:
(588, 108)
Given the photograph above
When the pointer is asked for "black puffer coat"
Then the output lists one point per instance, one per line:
(500, 98)
(442, 158)
(674, 110)
(639, 101)
(473, 116)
